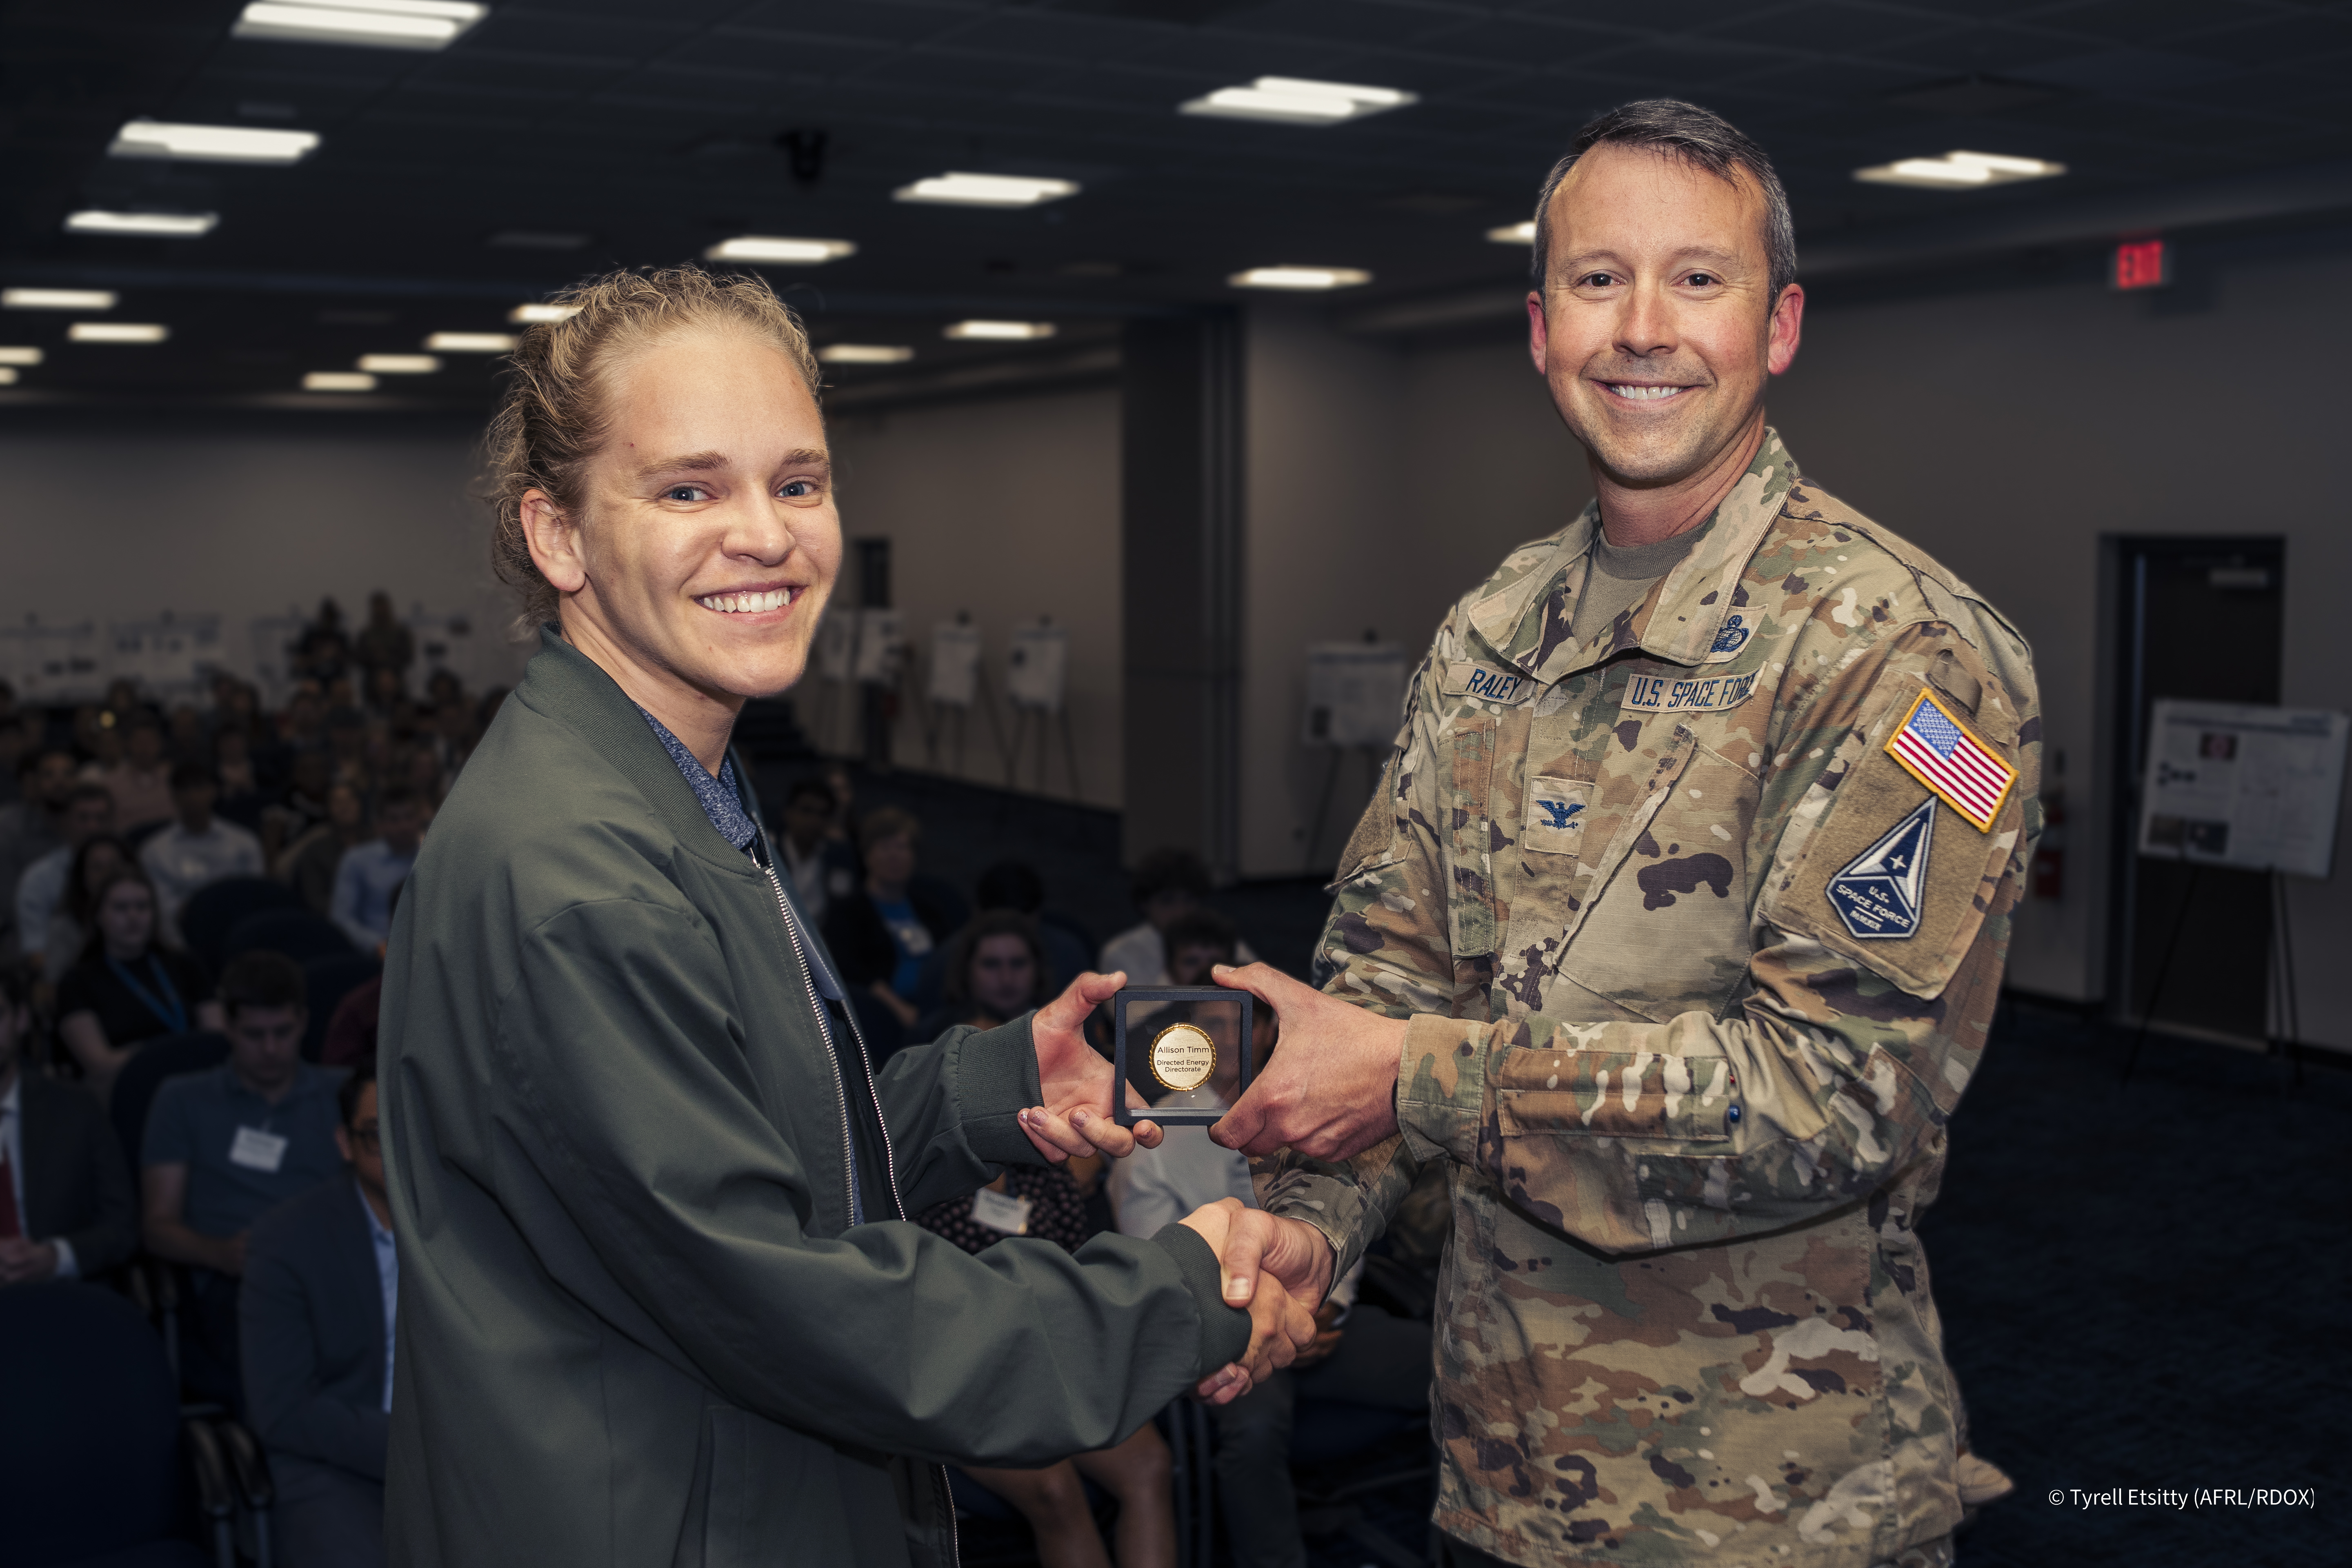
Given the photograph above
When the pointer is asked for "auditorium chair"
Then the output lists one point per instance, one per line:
(97, 1457)
(298, 934)
(213, 911)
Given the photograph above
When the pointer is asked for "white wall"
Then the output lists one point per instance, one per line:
(1008, 508)
(1381, 485)
(118, 518)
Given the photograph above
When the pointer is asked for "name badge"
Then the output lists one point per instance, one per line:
(998, 1212)
(1487, 684)
(1687, 694)
(257, 1151)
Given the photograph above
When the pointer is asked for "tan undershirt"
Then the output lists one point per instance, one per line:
(1622, 575)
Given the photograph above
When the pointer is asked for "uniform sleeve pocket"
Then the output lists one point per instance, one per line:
(1615, 1094)
(1891, 874)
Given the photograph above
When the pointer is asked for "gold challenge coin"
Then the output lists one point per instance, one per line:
(1182, 1056)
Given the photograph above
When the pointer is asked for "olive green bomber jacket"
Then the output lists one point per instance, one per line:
(634, 1325)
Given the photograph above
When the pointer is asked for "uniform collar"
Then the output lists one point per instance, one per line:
(1681, 620)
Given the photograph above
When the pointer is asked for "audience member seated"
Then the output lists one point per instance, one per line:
(224, 1147)
(882, 929)
(1196, 941)
(1166, 884)
(242, 800)
(996, 970)
(1015, 885)
(1362, 1356)
(352, 1029)
(819, 866)
(41, 889)
(316, 1335)
(302, 807)
(198, 849)
(76, 920)
(30, 828)
(128, 987)
(141, 782)
(65, 1199)
(312, 861)
(1050, 1203)
(369, 873)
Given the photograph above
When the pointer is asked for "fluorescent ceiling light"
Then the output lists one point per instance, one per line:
(1959, 171)
(1008, 331)
(20, 356)
(985, 190)
(57, 298)
(1514, 233)
(778, 248)
(470, 343)
(170, 226)
(338, 380)
(523, 315)
(1300, 277)
(211, 143)
(7, 375)
(117, 333)
(398, 364)
(1291, 101)
(378, 24)
(872, 353)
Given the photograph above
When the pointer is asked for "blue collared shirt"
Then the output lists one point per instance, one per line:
(722, 802)
(387, 1275)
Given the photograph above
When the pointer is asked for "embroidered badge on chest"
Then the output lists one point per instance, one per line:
(1878, 893)
(1733, 634)
(1555, 817)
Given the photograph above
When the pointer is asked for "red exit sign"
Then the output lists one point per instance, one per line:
(2141, 264)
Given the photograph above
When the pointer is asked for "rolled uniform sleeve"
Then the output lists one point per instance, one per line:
(1838, 1064)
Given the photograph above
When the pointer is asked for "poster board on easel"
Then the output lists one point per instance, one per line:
(1036, 678)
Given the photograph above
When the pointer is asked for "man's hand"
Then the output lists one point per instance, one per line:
(1078, 1083)
(1327, 1338)
(23, 1262)
(1281, 1323)
(1329, 1090)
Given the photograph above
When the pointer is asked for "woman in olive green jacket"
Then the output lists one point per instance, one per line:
(658, 1301)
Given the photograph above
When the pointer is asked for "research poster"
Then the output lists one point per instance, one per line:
(2228, 784)
(955, 663)
(1354, 693)
(1036, 666)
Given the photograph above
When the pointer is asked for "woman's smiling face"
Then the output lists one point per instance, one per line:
(706, 541)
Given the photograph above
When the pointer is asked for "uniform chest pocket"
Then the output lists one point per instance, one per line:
(1670, 931)
(1556, 813)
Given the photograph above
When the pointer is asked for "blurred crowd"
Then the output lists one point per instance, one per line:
(197, 898)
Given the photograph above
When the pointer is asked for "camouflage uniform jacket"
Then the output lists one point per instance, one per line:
(1687, 1057)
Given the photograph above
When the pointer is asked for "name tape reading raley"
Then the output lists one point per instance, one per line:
(1486, 683)
(1687, 694)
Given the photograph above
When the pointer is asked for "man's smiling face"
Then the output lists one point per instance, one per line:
(1656, 327)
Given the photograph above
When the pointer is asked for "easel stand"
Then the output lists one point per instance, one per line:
(1021, 730)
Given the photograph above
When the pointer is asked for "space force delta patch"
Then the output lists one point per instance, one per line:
(1877, 895)
(1687, 694)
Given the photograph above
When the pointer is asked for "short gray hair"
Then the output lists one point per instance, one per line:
(1699, 137)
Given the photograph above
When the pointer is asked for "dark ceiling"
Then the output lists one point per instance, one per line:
(649, 129)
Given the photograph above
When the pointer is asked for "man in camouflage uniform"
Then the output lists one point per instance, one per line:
(1674, 935)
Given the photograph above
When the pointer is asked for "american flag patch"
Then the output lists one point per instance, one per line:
(1937, 749)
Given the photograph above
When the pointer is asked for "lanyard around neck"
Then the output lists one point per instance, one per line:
(168, 1007)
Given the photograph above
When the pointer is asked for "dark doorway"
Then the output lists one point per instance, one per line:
(2189, 945)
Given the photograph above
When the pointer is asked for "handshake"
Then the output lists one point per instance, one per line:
(1330, 1092)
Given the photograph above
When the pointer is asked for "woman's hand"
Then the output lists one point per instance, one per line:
(1078, 1083)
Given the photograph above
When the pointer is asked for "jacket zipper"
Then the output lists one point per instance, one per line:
(939, 1483)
